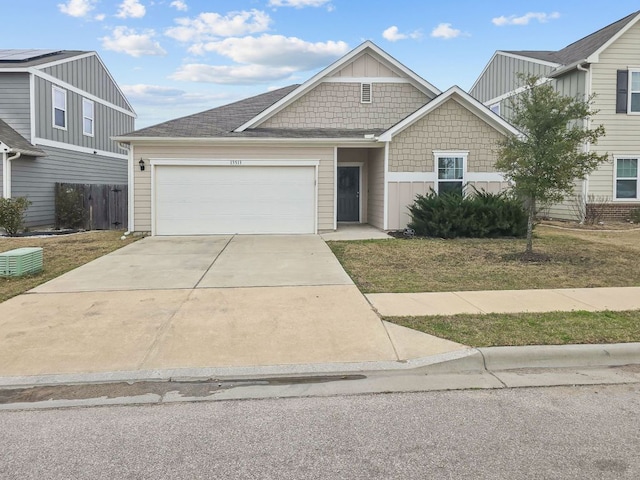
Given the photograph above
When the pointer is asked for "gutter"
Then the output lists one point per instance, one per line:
(250, 141)
(567, 68)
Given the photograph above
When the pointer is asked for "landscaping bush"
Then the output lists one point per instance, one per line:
(12, 212)
(478, 215)
(634, 215)
(70, 211)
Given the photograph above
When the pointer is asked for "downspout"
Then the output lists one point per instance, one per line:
(587, 88)
(6, 173)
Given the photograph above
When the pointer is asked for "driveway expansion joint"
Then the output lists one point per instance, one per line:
(214, 261)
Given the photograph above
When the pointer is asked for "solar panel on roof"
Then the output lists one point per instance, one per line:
(23, 55)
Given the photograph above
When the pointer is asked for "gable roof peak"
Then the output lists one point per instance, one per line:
(413, 77)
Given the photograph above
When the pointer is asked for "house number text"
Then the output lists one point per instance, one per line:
(235, 162)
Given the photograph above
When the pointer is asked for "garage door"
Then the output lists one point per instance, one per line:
(193, 200)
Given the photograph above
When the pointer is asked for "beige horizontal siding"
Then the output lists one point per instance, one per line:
(622, 130)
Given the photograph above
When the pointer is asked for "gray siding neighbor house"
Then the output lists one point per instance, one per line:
(58, 112)
(606, 64)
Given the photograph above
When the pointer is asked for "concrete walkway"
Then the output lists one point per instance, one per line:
(505, 301)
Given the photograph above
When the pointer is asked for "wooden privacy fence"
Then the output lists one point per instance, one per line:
(91, 206)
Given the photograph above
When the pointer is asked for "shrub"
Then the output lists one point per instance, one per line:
(70, 211)
(478, 215)
(634, 215)
(12, 212)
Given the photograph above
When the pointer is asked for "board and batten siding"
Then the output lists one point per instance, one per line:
(366, 65)
(89, 74)
(14, 102)
(622, 130)
(107, 121)
(337, 105)
(35, 178)
(375, 195)
(142, 179)
(501, 76)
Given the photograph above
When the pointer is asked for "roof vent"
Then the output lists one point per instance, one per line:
(365, 93)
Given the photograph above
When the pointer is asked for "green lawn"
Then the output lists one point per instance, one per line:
(576, 260)
(60, 254)
(555, 328)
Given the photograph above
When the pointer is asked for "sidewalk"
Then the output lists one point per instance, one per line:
(505, 301)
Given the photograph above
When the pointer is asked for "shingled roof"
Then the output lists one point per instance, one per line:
(222, 121)
(16, 142)
(31, 58)
(217, 122)
(581, 49)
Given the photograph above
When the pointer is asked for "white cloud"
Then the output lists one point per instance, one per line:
(127, 40)
(77, 8)
(143, 94)
(131, 9)
(179, 5)
(445, 31)
(300, 3)
(100, 17)
(209, 25)
(525, 19)
(393, 35)
(276, 51)
(231, 75)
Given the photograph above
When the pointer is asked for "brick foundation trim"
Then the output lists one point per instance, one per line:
(614, 211)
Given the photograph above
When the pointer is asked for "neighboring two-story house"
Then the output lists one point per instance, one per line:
(607, 64)
(355, 143)
(58, 112)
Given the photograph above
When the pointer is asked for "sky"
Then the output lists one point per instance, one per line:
(177, 57)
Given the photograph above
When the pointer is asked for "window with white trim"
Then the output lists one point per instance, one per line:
(627, 179)
(59, 108)
(88, 111)
(450, 169)
(634, 91)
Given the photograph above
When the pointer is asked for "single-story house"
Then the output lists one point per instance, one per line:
(355, 143)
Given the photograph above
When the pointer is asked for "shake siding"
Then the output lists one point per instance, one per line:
(142, 180)
(107, 121)
(35, 178)
(89, 75)
(14, 102)
(622, 130)
(337, 105)
(449, 127)
(500, 77)
(375, 194)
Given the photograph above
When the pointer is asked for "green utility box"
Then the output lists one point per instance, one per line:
(21, 261)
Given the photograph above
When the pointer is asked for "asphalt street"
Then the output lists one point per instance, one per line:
(559, 432)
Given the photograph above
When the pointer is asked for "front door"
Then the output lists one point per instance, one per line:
(348, 194)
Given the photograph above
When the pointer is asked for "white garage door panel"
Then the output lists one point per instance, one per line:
(193, 200)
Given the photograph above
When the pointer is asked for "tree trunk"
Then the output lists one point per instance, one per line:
(530, 220)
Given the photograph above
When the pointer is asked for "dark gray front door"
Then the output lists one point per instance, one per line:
(348, 194)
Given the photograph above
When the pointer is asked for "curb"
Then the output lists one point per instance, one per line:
(495, 359)
(466, 361)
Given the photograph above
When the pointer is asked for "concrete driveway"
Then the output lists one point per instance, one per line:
(195, 302)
